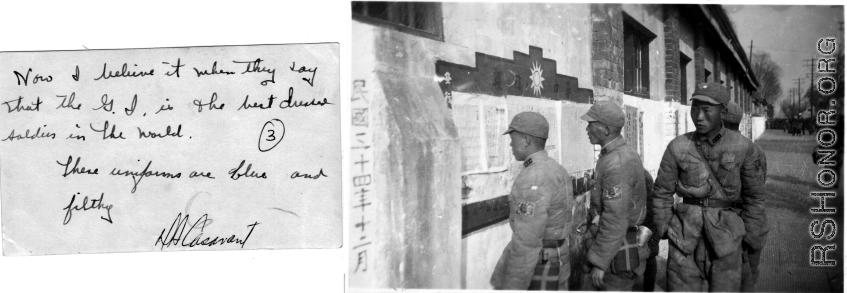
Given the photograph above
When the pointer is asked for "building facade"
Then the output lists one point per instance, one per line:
(436, 84)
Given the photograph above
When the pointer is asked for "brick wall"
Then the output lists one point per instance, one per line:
(607, 50)
(699, 56)
(672, 67)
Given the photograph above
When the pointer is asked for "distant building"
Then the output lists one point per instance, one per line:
(435, 84)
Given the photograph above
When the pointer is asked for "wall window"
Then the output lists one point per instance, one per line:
(737, 91)
(417, 18)
(707, 75)
(683, 78)
(636, 58)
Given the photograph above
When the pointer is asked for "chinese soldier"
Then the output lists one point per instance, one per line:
(718, 175)
(540, 211)
(750, 255)
(615, 259)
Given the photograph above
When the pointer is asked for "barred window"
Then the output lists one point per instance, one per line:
(683, 78)
(636, 51)
(417, 18)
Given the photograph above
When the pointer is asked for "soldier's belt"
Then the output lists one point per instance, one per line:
(711, 203)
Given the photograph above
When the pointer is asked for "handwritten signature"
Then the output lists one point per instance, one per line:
(177, 234)
(94, 204)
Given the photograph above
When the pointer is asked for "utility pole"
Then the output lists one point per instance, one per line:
(811, 85)
(751, 52)
(799, 96)
(794, 103)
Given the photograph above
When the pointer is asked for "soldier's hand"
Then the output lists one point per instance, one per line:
(597, 277)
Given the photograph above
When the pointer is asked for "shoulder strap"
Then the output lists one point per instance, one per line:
(712, 178)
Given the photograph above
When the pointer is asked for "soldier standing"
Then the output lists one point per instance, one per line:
(719, 177)
(618, 205)
(750, 255)
(540, 211)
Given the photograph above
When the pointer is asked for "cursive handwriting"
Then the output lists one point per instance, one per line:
(165, 107)
(68, 102)
(94, 204)
(76, 169)
(110, 134)
(291, 103)
(176, 68)
(35, 80)
(177, 234)
(18, 107)
(38, 134)
(131, 109)
(195, 174)
(199, 103)
(297, 174)
(302, 69)
(123, 73)
(246, 106)
(107, 103)
(255, 67)
(142, 174)
(150, 134)
(246, 173)
(215, 71)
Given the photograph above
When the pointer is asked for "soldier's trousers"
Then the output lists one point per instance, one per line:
(750, 270)
(702, 270)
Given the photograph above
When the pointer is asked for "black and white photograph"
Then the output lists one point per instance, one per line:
(596, 147)
(421, 146)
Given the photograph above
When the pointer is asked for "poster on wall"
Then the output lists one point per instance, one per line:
(481, 121)
(577, 150)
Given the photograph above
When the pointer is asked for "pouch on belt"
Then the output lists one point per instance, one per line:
(628, 257)
(685, 229)
(724, 230)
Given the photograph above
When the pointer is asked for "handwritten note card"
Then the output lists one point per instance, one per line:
(198, 148)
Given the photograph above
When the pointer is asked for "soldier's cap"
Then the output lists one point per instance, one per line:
(606, 112)
(733, 113)
(712, 93)
(529, 123)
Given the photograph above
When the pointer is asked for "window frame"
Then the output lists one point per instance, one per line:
(438, 20)
(684, 61)
(636, 38)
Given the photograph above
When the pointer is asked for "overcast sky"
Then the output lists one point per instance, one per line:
(789, 33)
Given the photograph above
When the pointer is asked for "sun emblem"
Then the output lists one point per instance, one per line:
(536, 78)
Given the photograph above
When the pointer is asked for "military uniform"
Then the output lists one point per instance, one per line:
(618, 203)
(540, 216)
(706, 230)
(750, 255)
(618, 197)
